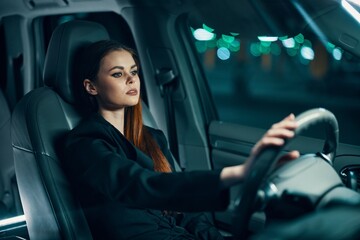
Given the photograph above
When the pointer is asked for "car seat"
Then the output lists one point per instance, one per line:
(39, 122)
(9, 201)
(12, 221)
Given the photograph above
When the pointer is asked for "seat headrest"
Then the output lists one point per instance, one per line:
(65, 45)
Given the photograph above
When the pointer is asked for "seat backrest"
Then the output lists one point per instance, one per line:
(8, 207)
(39, 122)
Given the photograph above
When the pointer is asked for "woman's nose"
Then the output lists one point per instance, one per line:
(130, 79)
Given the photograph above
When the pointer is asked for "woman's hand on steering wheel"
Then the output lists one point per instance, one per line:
(275, 136)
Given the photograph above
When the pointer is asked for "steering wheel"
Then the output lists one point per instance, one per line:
(266, 159)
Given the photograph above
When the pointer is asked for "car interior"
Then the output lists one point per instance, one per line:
(211, 114)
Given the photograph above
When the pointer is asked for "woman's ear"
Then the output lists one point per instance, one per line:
(89, 87)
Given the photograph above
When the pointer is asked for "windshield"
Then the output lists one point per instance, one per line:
(257, 79)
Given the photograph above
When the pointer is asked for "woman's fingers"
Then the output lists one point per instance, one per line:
(287, 123)
(277, 134)
(288, 157)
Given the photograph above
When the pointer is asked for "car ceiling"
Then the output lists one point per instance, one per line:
(254, 17)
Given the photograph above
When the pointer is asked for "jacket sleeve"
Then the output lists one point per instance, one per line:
(104, 170)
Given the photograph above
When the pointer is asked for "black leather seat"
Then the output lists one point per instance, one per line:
(39, 121)
(9, 204)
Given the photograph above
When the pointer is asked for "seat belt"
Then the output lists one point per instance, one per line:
(167, 81)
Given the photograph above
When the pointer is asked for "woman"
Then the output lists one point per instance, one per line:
(122, 171)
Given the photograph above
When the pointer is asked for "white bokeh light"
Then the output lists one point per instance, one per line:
(203, 35)
(288, 43)
(337, 54)
(267, 38)
(307, 53)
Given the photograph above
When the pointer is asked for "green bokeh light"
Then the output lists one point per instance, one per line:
(254, 49)
(330, 45)
(264, 49)
(299, 38)
(227, 38)
(283, 38)
(222, 43)
(234, 46)
(265, 44)
(207, 28)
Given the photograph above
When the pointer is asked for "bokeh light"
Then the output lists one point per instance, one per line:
(223, 53)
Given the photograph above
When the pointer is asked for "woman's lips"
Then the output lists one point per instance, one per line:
(132, 92)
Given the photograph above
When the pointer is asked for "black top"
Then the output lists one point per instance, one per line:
(123, 197)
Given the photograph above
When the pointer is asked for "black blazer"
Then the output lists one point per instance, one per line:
(121, 194)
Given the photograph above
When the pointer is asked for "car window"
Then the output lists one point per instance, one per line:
(256, 81)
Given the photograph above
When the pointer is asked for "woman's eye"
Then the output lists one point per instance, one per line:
(117, 75)
(134, 73)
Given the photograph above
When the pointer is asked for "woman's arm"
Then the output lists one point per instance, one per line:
(275, 136)
(100, 167)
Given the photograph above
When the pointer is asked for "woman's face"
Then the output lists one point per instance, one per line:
(118, 84)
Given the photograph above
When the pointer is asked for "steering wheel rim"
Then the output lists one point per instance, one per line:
(266, 159)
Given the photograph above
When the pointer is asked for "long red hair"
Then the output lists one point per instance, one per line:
(136, 133)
